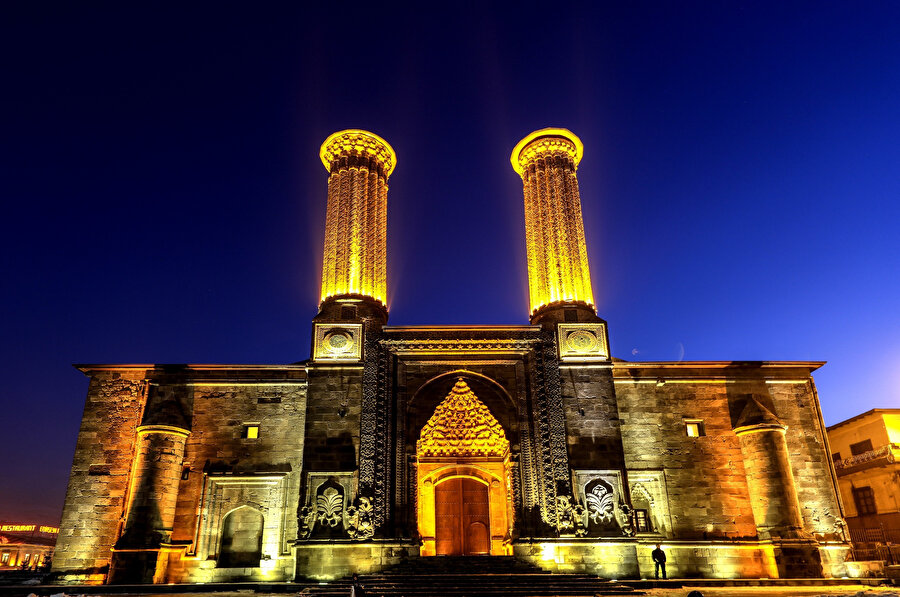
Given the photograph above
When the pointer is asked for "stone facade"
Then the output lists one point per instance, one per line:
(570, 459)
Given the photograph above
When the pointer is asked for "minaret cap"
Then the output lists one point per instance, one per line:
(360, 142)
(565, 139)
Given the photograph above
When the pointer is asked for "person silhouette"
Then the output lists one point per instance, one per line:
(356, 589)
(659, 561)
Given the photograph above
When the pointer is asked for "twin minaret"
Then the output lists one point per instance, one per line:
(354, 268)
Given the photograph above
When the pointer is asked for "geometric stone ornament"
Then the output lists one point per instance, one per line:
(338, 343)
(582, 342)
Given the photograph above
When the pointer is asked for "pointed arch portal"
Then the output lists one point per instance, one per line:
(463, 479)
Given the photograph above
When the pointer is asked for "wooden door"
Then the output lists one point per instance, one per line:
(462, 518)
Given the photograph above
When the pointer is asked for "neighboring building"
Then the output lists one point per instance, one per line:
(402, 442)
(866, 454)
(26, 546)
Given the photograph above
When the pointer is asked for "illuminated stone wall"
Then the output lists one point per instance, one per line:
(592, 419)
(708, 479)
(359, 164)
(227, 471)
(558, 272)
(95, 498)
(796, 404)
(705, 479)
(144, 486)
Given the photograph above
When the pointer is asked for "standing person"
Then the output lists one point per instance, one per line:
(356, 589)
(659, 559)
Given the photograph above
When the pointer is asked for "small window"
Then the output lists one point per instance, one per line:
(641, 521)
(864, 498)
(250, 432)
(27, 558)
(694, 427)
(861, 447)
(348, 312)
(4, 559)
(836, 457)
(185, 473)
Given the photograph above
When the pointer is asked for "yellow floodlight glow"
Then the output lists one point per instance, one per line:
(359, 164)
(361, 142)
(575, 147)
(558, 273)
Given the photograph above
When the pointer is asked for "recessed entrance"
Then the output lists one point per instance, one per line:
(463, 470)
(462, 517)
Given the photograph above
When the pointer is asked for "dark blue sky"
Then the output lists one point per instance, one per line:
(163, 199)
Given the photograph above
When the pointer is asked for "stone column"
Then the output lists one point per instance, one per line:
(558, 273)
(773, 494)
(354, 266)
(150, 515)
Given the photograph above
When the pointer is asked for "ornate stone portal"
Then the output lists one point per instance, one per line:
(463, 479)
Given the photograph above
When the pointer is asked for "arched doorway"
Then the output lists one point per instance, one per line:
(463, 479)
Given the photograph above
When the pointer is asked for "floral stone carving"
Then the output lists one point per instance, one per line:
(600, 503)
(361, 526)
(330, 506)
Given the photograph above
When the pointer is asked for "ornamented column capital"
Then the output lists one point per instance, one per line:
(357, 142)
(544, 143)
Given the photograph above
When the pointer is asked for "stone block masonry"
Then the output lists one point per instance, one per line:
(104, 453)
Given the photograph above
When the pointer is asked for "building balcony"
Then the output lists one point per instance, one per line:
(881, 456)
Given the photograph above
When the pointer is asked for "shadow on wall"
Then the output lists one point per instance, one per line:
(242, 534)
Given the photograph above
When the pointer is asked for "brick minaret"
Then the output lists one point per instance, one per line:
(354, 266)
(558, 275)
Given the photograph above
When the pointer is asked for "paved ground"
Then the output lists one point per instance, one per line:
(844, 591)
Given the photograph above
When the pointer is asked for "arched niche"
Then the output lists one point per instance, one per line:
(240, 545)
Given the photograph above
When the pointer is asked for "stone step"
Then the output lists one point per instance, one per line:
(483, 591)
(475, 576)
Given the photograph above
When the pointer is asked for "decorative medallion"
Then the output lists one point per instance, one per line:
(338, 342)
(582, 342)
(462, 426)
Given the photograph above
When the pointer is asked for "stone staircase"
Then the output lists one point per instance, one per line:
(474, 576)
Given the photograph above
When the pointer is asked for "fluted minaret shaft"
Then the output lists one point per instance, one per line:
(359, 163)
(558, 272)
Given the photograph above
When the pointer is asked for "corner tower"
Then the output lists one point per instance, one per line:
(559, 280)
(354, 265)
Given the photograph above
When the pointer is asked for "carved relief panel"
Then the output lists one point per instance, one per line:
(324, 513)
(582, 342)
(602, 497)
(338, 343)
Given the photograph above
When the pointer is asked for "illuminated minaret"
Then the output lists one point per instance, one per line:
(354, 267)
(558, 275)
